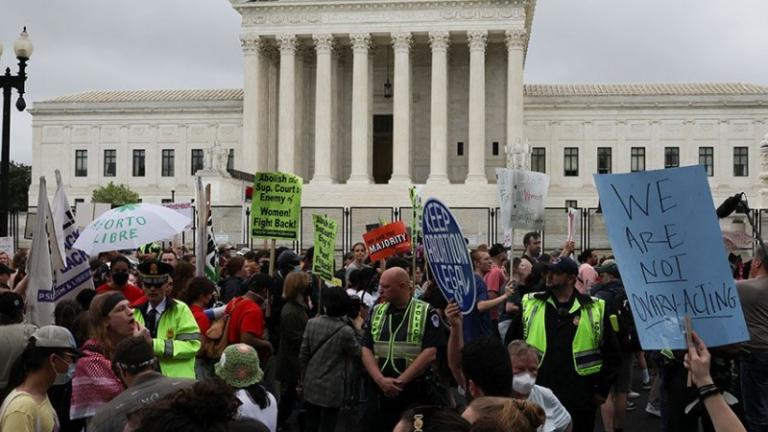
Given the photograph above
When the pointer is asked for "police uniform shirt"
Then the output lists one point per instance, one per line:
(434, 335)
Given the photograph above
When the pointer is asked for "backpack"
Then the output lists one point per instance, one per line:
(215, 339)
(627, 332)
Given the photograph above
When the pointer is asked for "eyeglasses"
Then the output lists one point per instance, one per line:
(150, 286)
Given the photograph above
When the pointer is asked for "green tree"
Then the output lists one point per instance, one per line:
(19, 179)
(117, 195)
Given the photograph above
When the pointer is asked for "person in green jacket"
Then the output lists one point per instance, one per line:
(175, 334)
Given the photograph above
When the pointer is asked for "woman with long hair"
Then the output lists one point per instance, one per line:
(293, 321)
(48, 359)
(182, 276)
(493, 414)
(110, 320)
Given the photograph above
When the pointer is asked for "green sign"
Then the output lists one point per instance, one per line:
(276, 207)
(325, 245)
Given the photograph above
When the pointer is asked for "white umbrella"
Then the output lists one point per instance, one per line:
(129, 227)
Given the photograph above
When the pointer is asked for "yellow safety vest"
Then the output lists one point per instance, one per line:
(392, 349)
(587, 359)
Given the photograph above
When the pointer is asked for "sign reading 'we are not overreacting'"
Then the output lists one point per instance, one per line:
(671, 256)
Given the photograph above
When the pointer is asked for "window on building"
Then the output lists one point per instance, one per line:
(740, 161)
(571, 204)
(460, 148)
(571, 162)
(637, 161)
(168, 163)
(604, 160)
(110, 163)
(495, 148)
(671, 157)
(231, 160)
(165, 200)
(81, 163)
(197, 160)
(707, 158)
(139, 164)
(79, 200)
(539, 159)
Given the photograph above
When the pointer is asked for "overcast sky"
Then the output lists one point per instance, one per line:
(83, 45)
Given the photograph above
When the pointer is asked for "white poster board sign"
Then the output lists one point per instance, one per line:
(85, 213)
(6, 245)
(521, 197)
(183, 208)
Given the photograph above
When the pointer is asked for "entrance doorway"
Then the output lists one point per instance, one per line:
(382, 148)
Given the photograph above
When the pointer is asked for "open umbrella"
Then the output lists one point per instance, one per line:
(129, 227)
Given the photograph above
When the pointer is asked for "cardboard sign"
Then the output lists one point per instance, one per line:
(385, 241)
(448, 255)
(670, 252)
(276, 207)
(521, 198)
(325, 242)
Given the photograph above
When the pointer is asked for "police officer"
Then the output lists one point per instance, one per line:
(578, 351)
(399, 346)
(175, 334)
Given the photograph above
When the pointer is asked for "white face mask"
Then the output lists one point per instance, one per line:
(522, 383)
(63, 378)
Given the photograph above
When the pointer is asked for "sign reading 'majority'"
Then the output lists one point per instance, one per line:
(385, 241)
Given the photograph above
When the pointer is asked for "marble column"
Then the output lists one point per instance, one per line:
(286, 134)
(255, 149)
(401, 130)
(515, 40)
(323, 108)
(438, 145)
(477, 41)
(361, 105)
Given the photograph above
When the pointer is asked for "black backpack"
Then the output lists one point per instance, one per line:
(627, 332)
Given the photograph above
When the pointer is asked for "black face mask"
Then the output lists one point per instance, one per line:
(265, 268)
(120, 278)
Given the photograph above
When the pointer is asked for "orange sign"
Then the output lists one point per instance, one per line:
(383, 242)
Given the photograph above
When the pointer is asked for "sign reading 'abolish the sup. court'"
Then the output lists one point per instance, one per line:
(448, 255)
(276, 206)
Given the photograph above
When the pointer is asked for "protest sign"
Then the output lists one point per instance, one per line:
(6, 245)
(325, 242)
(387, 240)
(276, 206)
(183, 208)
(670, 252)
(521, 198)
(86, 213)
(448, 255)
(40, 292)
(571, 219)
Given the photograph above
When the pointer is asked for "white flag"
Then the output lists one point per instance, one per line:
(73, 274)
(40, 294)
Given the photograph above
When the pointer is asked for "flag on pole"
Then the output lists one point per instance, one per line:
(207, 259)
(73, 273)
(211, 253)
(40, 294)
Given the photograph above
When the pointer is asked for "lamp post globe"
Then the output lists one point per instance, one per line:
(23, 46)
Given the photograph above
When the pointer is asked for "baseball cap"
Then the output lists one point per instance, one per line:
(53, 336)
(4, 269)
(239, 366)
(11, 303)
(610, 267)
(134, 353)
(563, 265)
(288, 256)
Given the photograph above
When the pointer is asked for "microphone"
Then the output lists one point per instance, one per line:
(729, 206)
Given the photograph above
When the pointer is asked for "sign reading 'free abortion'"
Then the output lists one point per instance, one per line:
(671, 256)
(448, 255)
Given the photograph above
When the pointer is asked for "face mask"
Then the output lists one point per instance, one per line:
(297, 268)
(120, 279)
(265, 268)
(522, 383)
(63, 378)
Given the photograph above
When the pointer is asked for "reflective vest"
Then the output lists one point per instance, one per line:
(587, 359)
(389, 350)
(178, 338)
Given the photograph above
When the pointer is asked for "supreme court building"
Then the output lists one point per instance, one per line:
(363, 98)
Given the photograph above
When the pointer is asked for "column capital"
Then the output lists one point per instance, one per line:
(439, 40)
(516, 38)
(323, 42)
(402, 41)
(250, 44)
(287, 43)
(477, 39)
(360, 41)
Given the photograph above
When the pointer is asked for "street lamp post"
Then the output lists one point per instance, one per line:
(173, 195)
(23, 50)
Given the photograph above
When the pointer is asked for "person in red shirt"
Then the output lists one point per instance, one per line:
(198, 296)
(118, 281)
(495, 279)
(246, 323)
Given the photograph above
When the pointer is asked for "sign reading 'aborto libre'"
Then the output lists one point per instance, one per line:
(276, 206)
(671, 256)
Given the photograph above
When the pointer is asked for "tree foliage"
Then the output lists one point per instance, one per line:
(117, 195)
(19, 179)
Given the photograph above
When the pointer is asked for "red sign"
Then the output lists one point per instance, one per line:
(383, 242)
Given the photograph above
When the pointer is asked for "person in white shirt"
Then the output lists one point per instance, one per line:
(525, 367)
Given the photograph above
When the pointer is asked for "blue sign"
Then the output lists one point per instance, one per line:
(448, 255)
(671, 255)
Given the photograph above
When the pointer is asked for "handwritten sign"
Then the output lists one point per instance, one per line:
(276, 206)
(387, 240)
(670, 252)
(448, 255)
(325, 241)
(521, 198)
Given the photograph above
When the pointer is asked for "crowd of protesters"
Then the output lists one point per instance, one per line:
(549, 345)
